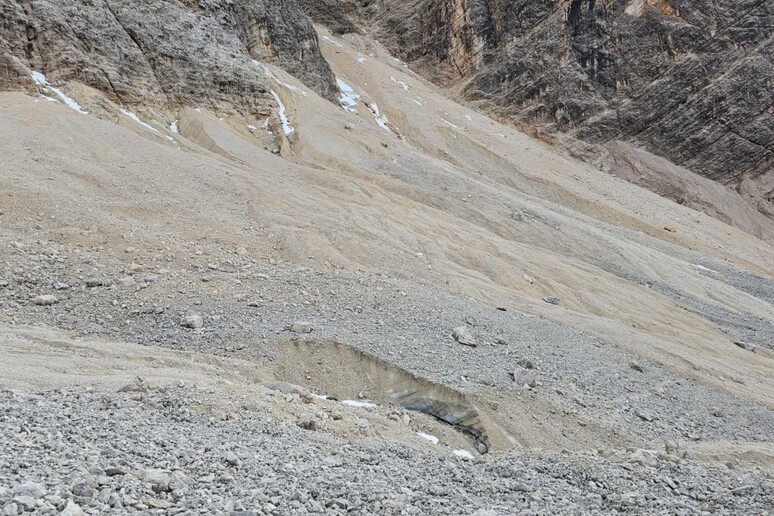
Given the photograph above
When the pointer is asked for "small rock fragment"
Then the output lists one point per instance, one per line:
(192, 321)
(464, 337)
(743, 491)
(158, 479)
(125, 281)
(301, 327)
(136, 268)
(30, 489)
(27, 503)
(551, 300)
(46, 300)
(231, 458)
(83, 490)
(643, 416)
(523, 377)
(138, 385)
(745, 345)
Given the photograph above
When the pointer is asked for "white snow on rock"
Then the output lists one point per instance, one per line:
(433, 439)
(42, 82)
(704, 269)
(348, 97)
(380, 119)
(174, 127)
(401, 63)
(39, 79)
(418, 101)
(265, 69)
(465, 454)
(451, 124)
(362, 404)
(286, 127)
(362, 59)
(148, 127)
(332, 42)
(403, 84)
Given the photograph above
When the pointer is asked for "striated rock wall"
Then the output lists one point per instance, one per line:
(689, 80)
(161, 52)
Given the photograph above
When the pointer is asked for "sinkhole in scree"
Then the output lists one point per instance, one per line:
(342, 372)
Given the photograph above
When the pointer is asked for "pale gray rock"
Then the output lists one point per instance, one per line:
(46, 300)
(72, 509)
(192, 321)
(30, 489)
(462, 335)
(301, 327)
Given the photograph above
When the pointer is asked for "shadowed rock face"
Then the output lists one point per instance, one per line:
(161, 52)
(689, 80)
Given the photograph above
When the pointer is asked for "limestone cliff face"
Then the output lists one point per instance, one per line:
(161, 52)
(689, 80)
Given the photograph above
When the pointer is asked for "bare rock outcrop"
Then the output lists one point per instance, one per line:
(161, 52)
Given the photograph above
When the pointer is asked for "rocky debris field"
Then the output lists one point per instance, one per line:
(158, 452)
(186, 448)
(229, 304)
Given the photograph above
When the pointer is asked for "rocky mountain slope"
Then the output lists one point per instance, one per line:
(688, 80)
(168, 54)
(361, 299)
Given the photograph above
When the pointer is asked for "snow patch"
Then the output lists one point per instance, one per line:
(380, 119)
(451, 124)
(286, 127)
(42, 82)
(465, 454)
(403, 84)
(149, 127)
(401, 63)
(702, 268)
(469, 117)
(433, 439)
(332, 42)
(320, 396)
(348, 97)
(174, 127)
(39, 79)
(418, 101)
(362, 59)
(265, 69)
(362, 404)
